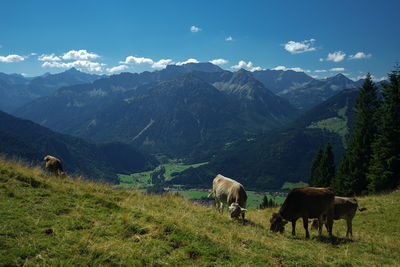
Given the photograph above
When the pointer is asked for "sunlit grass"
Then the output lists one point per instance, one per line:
(62, 222)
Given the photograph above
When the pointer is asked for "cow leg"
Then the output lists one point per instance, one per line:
(349, 227)
(221, 207)
(294, 227)
(320, 225)
(305, 224)
(330, 225)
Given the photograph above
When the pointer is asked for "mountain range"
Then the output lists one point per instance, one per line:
(179, 111)
(17, 90)
(262, 127)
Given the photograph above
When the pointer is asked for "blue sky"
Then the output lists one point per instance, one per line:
(321, 38)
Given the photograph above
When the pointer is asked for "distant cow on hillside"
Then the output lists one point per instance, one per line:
(228, 191)
(344, 208)
(305, 202)
(53, 166)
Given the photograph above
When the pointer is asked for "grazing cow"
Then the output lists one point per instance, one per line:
(53, 166)
(230, 192)
(344, 208)
(305, 202)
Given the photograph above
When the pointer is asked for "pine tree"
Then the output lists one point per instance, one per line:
(314, 171)
(327, 168)
(351, 177)
(264, 203)
(384, 171)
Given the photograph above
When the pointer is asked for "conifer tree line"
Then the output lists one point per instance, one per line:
(371, 162)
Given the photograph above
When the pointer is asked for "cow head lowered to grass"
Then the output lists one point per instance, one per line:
(277, 223)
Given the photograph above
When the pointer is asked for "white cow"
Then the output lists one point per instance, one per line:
(228, 191)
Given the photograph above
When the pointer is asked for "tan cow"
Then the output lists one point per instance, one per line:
(53, 166)
(344, 208)
(305, 203)
(228, 191)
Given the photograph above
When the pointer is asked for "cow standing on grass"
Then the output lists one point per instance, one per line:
(228, 191)
(53, 166)
(344, 208)
(305, 202)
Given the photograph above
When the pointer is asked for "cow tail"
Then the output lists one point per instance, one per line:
(362, 209)
(209, 195)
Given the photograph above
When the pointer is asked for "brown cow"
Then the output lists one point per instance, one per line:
(230, 192)
(305, 202)
(53, 166)
(344, 208)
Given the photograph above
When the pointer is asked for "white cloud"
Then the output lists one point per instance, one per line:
(117, 68)
(80, 55)
(321, 59)
(33, 54)
(137, 60)
(50, 57)
(82, 65)
(337, 69)
(162, 63)
(360, 55)
(11, 59)
(336, 56)
(319, 71)
(300, 47)
(248, 66)
(219, 61)
(195, 29)
(229, 38)
(190, 60)
(297, 69)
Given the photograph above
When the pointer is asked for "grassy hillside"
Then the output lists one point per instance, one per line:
(52, 221)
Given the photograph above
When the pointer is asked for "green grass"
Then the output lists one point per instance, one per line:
(48, 221)
(142, 179)
(335, 124)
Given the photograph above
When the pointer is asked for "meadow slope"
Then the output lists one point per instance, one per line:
(51, 221)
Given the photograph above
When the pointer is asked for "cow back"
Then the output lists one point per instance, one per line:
(307, 202)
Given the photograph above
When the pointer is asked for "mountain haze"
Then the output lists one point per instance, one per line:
(177, 111)
(16, 90)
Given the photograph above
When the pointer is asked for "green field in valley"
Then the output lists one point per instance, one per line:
(142, 179)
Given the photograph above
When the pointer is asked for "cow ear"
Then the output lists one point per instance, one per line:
(243, 210)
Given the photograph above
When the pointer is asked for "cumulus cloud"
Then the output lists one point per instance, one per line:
(229, 38)
(336, 56)
(137, 60)
(11, 59)
(300, 47)
(297, 69)
(360, 55)
(80, 55)
(82, 65)
(248, 66)
(319, 71)
(162, 63)
(117, 68)
(337, 69)
(195, 29)
(219, 61)
(190, 60)
(50, 57)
